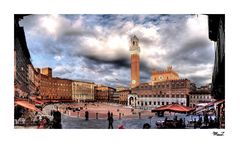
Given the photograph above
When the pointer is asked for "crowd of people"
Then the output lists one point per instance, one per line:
(197, 121)
(172, 124)
(28, 118)
(205, 122)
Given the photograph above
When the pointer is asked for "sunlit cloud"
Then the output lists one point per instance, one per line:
(96, 47)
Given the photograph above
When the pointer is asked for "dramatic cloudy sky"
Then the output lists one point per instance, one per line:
(96, 47)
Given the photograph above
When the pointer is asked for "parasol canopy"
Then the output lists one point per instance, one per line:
(173, 108)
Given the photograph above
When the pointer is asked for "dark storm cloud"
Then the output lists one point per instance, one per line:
(78, 32)
(145, 67)
(119, 61)
(195, 51)
(199, 80)
(173, 32)
(146, 41)
(144, 76)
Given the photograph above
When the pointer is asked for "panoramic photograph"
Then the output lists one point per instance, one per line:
(119, 71)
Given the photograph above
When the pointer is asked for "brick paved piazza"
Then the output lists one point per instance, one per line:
(76, 119)
(129, 118)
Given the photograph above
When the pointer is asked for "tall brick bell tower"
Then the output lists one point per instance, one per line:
(134, 53)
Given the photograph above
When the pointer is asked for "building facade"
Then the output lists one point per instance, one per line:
(123, 96)
(63, 88)
(46, 71)
(216, 28)
(34, 80)
(135, 61)
(53, 88)
(159, 76)
(82, 91)
(162, 93)
(164, 88)
(120, 88)
(21, 61)
(198, 97)
(193, 87)
(104, 93)
(115, 97)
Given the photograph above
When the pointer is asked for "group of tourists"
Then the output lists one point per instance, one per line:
(45, 122)
(205, 122)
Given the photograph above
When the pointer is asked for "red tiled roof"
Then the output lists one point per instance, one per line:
(173, 108)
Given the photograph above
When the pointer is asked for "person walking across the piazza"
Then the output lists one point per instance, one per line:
(111, 120)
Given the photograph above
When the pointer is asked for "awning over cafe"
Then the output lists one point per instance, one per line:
(27, 105)
(173, 108)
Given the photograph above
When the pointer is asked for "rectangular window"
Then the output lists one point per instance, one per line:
(145, 103)
(154, 103)
(149, 102)
(162, 103)
(158, 103)
(166, 103)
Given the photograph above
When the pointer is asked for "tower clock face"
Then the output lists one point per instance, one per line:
(160, 77)
(133, 81)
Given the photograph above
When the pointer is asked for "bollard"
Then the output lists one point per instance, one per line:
(119, 116)
(86, 115)
(78, 114)
(139, 115)
(97, 116)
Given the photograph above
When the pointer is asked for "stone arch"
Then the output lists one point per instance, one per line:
(132, 99)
